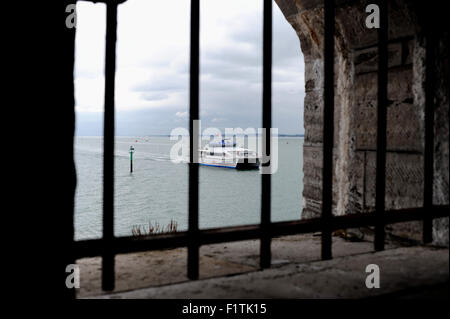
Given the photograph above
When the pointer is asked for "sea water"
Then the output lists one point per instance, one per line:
(157, 190)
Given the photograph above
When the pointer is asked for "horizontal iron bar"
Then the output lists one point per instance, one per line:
(123, 245)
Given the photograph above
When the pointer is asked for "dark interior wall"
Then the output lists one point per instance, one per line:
(40, 89)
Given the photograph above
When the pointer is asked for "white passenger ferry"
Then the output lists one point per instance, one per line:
(226, 154)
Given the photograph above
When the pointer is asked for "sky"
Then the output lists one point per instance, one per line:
(152, 67)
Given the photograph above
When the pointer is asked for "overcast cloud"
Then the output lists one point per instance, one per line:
(152, 72)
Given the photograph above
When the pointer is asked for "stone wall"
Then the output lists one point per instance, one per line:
(355, 111)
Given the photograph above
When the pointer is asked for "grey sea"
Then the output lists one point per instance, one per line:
(157, 190)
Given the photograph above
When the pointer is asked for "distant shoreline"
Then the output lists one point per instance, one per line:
(164, 135)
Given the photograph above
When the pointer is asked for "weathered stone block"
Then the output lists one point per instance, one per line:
(366, 60)
(404, 118)
(404, 189)
(441, 192)
(312, 170)
(313, 117)
(404, 180)
(366, 115)
(440, 232)
(312, 208)
(400, 84)
(408, 51)
(314, 75)
(404, 127)
(356, 192)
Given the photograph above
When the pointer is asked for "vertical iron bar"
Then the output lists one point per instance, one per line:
(193, 247)
(265, 253)
(328, 129)
(381, 125)
(429, 133)
(108, 149)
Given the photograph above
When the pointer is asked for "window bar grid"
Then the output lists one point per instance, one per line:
(108, 246)
(265, 251)
(125, 245)
(429, 136)
(193, 246)
(381, 126)
(328, 129)
(108, 149)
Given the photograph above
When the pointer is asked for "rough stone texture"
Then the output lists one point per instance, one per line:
(404, 121)
(404, 167)
(366, 60)
(441, 145)
(355, 110)
(404, 272)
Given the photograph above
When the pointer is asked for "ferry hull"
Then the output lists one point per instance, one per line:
(246, 164)
(241, 164)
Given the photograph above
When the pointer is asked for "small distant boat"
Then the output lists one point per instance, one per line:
(226, 154)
